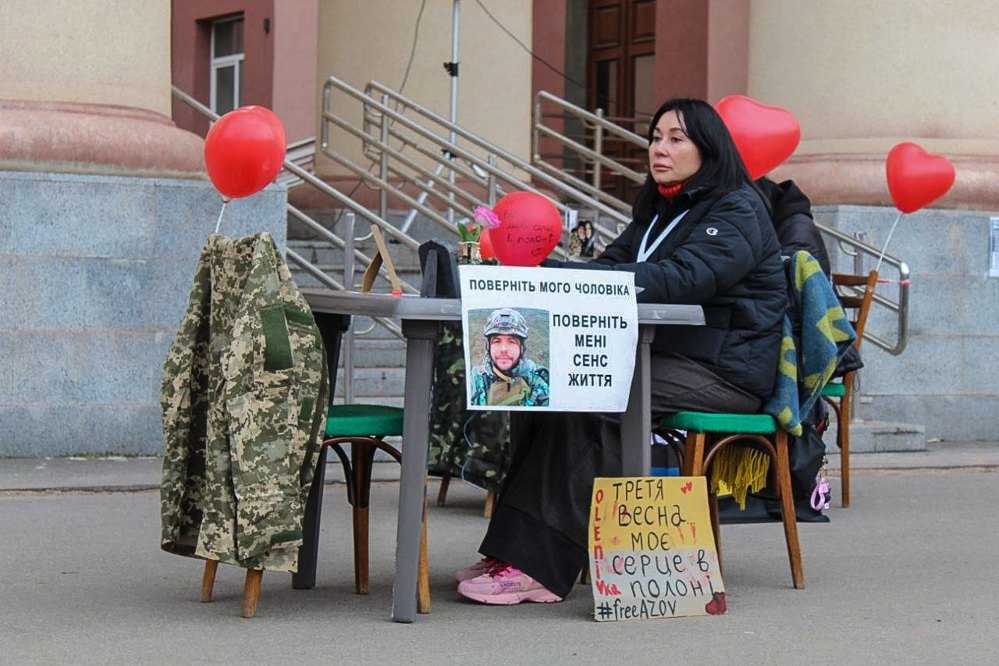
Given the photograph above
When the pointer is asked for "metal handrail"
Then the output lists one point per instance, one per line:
(333, 284)
(594, 156)
(597, 120)
(325, 188)
(900, 307)
(302, 153)
(328, 235)
(425, 173)
(599, 129)
(454, 150)
(607, 198)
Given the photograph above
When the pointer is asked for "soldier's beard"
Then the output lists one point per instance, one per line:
(498, 366)
(500, 371)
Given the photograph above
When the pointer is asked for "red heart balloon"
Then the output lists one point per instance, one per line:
(915, 177)
(765, 135)
(244, 151)
(530, 228)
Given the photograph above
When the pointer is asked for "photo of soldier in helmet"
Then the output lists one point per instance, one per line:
(506, 376)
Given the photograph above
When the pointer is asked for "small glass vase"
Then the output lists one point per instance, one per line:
(468, 252)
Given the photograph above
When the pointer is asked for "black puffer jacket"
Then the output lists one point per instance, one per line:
(724, 256)
(792, 216)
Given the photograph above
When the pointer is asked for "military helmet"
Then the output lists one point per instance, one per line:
(506, 321)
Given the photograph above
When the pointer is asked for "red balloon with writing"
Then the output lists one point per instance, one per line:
(916, 178)
(530, 228)
(244, 151)
(765, 135)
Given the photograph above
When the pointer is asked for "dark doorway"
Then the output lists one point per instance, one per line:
(622, 44)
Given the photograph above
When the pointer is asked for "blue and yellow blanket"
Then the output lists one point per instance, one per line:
(807, 361)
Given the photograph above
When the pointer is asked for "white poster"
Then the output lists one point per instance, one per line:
(548, 339)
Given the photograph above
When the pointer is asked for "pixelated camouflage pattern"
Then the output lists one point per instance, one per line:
(474, 446)
(242, 432)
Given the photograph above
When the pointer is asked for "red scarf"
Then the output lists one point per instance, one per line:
(670, 191)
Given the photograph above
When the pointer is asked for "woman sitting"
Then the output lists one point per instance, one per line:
(701, 234)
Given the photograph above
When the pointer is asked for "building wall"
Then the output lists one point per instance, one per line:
(728, 48)
(365, 40)
(95, 273)
(681, 68)
(701, 48)
(872, 73)
(191, 45)
(549, 43)
(296, 45)
(61, 52)
(861, 77)
(945, 380)
(85, 88)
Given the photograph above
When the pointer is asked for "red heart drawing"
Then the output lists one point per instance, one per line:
(687, 487)
(916, 178)
(530, 228)
(717, 605)
(765, 135)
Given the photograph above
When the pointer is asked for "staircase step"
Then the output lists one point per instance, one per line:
(879, 437)
(422, 228)
(362, 324)
(375, 383)
(379, 353)
(324, 252)
(390, 401)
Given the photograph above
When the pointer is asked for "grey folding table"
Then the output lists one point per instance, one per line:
(421, 318)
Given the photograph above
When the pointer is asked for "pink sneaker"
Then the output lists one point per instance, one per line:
(485, 565)
(506, 585)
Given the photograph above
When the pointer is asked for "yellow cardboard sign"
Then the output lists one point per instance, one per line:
(652, 552)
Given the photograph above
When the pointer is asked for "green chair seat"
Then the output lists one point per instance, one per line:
(364, 421)
(757, 424)
(834, 390)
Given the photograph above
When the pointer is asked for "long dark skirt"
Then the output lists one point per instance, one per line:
(540, 522)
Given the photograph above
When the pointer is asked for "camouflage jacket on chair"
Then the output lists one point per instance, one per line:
(244, 399)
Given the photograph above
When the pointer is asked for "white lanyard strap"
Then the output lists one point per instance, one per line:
(644, 252)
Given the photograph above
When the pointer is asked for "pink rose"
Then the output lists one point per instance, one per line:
(486, 217)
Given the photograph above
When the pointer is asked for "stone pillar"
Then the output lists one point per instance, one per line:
(86, 89)
(860, 77)
(103, 211)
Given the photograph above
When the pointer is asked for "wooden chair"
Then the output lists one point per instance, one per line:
(708, 433)
(487, 511)
(839, 395)
(364, 428)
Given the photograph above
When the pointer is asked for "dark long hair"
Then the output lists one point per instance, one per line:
(722, 170)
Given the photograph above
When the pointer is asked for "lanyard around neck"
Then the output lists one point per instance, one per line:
(644, 252)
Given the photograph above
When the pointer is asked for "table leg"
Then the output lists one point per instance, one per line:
(636, 426)
(421, 337)
(308, 552)
(331, 329)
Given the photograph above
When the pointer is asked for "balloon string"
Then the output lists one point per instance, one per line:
(218, 223)
(888, 240)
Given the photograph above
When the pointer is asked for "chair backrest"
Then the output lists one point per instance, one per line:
(852, 298)
(440, 271)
